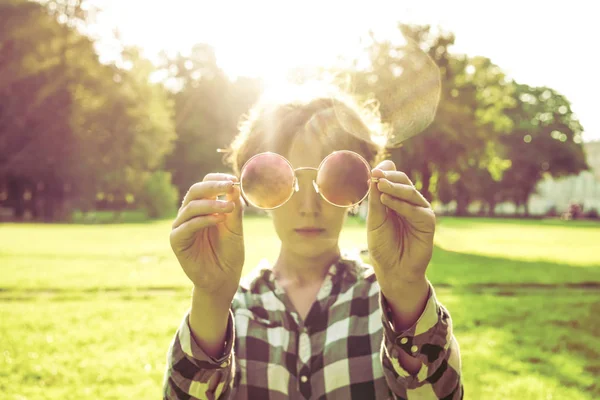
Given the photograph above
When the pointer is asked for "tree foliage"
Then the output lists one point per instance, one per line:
(470, 151)
(70, 126)
(76, 132)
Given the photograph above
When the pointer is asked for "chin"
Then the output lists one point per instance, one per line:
(313, 247)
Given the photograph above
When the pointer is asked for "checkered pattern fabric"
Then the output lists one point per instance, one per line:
(346, 348)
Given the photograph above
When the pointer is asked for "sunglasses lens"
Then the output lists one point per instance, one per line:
(343, 178)
(267, 181)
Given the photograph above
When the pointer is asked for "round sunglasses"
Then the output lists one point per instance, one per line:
(268, 180)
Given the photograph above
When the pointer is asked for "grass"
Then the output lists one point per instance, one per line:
(572, 242)
(89, 311)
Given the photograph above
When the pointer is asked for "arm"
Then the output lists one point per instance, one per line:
(207, 239)
(200, 361)
(420, 354)
(404, 311)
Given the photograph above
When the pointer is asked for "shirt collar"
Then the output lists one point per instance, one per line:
(347, 269)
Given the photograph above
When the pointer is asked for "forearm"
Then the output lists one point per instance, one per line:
(406, 306)
(200, 358)
(208, 322)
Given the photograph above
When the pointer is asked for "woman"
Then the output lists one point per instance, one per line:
(315, 324)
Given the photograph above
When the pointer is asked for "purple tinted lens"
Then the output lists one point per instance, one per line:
(267, 181)
(343, 178)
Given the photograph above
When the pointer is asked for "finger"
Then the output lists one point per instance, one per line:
(187, 231)
(377, 211)
(218, 176)
(196, 208)
(233, 220)
(207, 190)
(409, 211)
(397, 177)
(386, 165)
(406, 193)
(234, 195)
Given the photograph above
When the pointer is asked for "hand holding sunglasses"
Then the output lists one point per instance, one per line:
(207, 236)
(400, 231)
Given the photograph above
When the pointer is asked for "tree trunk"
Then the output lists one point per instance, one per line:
(37, 203)
(481, 211)
(461, 207)
(462, 199)
(54, 205)
(16, 191)
(491, 208)
(517, 206)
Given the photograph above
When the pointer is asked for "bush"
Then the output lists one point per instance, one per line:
(592, 214)
(159, 197)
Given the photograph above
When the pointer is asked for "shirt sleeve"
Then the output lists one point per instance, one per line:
(431, 340)
(191, 373)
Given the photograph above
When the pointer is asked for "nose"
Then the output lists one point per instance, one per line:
(308, 201)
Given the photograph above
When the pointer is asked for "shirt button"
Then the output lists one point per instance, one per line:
(304, 378)
(404, 340)
(414, 349)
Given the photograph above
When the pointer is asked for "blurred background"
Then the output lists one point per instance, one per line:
(110, 110)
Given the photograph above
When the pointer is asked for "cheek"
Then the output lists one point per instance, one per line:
(282, 220)
(334, 217)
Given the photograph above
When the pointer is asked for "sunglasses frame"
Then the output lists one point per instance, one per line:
(295, 186)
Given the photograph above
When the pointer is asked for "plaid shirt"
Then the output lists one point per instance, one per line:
(346, 348)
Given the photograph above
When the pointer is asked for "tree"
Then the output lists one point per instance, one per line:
(468, 119)
(546, 141)
(69, 125)
(207, 109)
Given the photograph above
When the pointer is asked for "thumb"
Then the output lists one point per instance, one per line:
(233, 220)
(377, 210)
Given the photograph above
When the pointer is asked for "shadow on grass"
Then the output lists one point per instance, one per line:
(530, 345)
(464, 222)
(453, 269)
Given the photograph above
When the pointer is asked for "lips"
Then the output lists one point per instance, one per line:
(309, 231)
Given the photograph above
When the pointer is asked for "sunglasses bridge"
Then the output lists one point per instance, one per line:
(296, 187)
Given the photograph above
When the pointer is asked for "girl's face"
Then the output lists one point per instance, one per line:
(307, 225)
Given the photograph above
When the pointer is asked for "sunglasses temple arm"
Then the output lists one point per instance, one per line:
(316, 186)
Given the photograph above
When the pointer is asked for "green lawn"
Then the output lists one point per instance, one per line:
(88, 311)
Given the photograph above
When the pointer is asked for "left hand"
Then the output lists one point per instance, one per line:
(400, 230)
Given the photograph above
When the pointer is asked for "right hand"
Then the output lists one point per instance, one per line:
(207, 236)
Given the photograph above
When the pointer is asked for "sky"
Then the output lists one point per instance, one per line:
(540, 43)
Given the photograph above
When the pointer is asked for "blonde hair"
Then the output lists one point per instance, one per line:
(337, 119)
